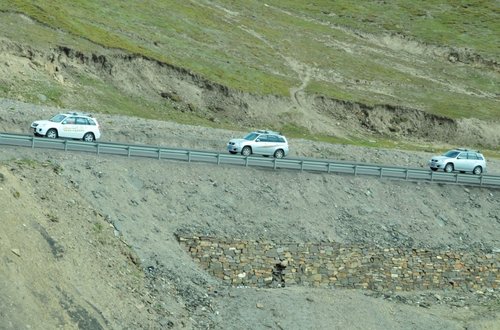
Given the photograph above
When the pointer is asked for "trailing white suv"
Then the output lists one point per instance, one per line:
(261, 142)
(74, 125)
(462, 160)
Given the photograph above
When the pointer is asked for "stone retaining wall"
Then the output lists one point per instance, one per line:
(271, 264)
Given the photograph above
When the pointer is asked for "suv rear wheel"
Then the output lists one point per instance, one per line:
(477, 170)
(279, 153)
(88, 137)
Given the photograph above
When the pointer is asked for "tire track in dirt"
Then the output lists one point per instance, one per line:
(309, 117)
(303, 71)
(408, 49)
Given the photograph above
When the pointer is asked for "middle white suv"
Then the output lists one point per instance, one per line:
(261, 142)
(74, 125)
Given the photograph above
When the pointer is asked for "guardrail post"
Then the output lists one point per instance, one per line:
(301, 165)
(128, 151)
(32, 142)
(65, 145)
(328, 167)
(432, 176)
(218, 159)
(456, 178)
(159, 153)
(98, 149)
(189, 156)
(381, 169)
(406, 174)
(355, 170)
(481, 180)
(246, 161)
(274, 163)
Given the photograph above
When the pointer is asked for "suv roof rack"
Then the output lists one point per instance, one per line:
(75, 113)
(465, 149)
(265, 131)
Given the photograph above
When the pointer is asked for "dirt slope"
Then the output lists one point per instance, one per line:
(88, 242)
(54, 246)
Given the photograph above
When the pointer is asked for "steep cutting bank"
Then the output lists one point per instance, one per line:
(170, 92)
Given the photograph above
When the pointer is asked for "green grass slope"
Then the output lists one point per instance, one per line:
(371, 52)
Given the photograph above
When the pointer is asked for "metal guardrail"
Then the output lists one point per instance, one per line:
(301, 164)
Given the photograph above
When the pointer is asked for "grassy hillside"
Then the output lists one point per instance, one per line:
(371, 52)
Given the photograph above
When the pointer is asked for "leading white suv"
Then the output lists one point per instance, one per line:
(74, 125)
(462, 160)
(268, 143)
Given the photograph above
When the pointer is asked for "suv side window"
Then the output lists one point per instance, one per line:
(81, 121)
(273, 138)
(462, 155)
(471, 155)
(69, 121)
(263, 138)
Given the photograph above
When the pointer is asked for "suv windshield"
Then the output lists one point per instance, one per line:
(251, 136)
(451, 154)
(57, 118)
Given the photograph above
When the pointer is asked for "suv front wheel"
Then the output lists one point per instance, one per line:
(448, 168)
(51, 133)
(246, 151)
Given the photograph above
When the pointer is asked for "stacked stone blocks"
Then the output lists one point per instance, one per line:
(274, 264)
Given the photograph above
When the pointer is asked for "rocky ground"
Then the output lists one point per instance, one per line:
(89, 242)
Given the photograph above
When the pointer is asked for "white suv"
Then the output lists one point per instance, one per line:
(72, 125)
(268, 143)
(462, 160)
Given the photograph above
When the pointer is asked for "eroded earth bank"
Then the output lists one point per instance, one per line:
(175, 92)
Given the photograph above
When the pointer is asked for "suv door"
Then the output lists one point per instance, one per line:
(274, 143)
(81, 126)
(261, 145)
(474, 160)
(462, 163)
(68, 127)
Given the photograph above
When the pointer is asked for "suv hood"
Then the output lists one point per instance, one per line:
(40, 122)
(237, 141)
(438, 158)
